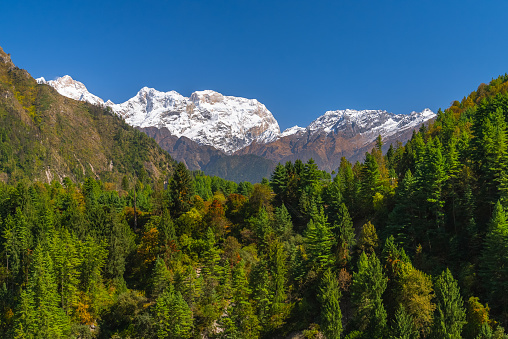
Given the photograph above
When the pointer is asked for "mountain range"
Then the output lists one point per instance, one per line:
(213, 132)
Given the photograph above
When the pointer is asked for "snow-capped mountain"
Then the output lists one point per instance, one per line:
(337, 134)
(240, 126)
(209, 118)
(225, 122)
(71, 88)
(367, 123)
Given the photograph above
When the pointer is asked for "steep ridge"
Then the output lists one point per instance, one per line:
(46, 136)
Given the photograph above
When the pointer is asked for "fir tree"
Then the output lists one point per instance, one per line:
(319, 241)
(367, 289)
(450, 313)
(181, 190)
(173, 315)
(494, 263)
(403, 326)
(345, 234)
(278, 182)
(329, 297)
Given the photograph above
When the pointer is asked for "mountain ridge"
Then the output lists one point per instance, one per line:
(238, 126)
(47, 136)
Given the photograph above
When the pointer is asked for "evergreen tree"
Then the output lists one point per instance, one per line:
(25, 324)
(345, 234)
(367, 289)
(319, 241)
(348, 184)
(278, 182)
(278, 269)
(329, 297)
(181, 190)
(211, 255)
(370, 182)
(494, 259)
(242, 312)
(67, 261)
(403, 326)
(173, 315)
(160, 278)
(495, 158)
(49, 320)
(416, 294)
(450, 313)
(282, 224)
(367, 239)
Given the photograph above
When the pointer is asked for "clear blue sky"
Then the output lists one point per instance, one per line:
(299, 58)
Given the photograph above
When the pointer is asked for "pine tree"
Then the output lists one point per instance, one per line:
(282, 224)
(348, 184)
(370, 182)
(367, 289)
(67, 261)
(25, 324)
(403, 326)
(181, 190)
(18, 240)
(367, 239)
(42, 292)
(333, 196)
(261, 293)
(120, 245)
(494, 259)
(210, 255)
(319, 241)
(345, 234)
(450, 313)
(278, 270)
(261, 225)
(278, 182)
(416, 295)
(160, 278)
(173, 315)
(242, 313)
(329, 298)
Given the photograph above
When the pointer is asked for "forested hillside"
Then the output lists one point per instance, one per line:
(46, 136)
(408, 244)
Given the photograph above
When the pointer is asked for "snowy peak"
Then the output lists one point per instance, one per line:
(71, 88)
(207, 117)
(231, 123)
(368, 123)
(292, 131)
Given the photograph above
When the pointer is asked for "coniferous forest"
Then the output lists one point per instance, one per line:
(412, 243)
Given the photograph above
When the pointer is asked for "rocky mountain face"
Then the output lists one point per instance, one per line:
(336, 134)
(208, 128)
